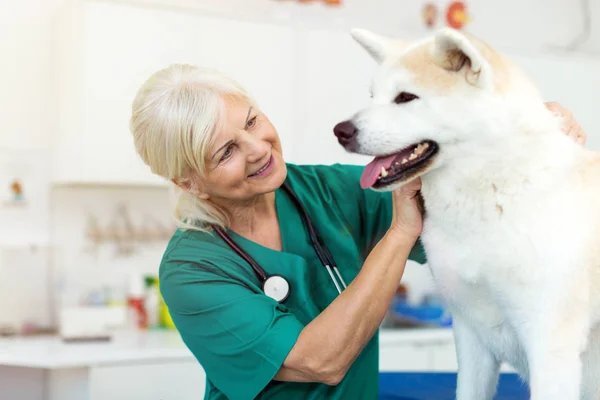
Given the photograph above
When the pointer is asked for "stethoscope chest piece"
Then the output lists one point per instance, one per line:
(276, 287)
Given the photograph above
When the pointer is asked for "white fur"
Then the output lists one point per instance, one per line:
(512, 222)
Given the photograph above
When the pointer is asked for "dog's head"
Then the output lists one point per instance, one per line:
(432, 100)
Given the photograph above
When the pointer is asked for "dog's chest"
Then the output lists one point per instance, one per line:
(466, 236)
(474, 268)
(477, 249)
(486, 251)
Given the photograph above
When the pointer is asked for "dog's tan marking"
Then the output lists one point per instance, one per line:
(442, 77)
(426, 72)
(494, 188)
(500, 209)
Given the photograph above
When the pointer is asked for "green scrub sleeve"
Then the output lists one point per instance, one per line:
(240, 337)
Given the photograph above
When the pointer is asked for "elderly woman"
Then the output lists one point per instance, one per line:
(309, 330)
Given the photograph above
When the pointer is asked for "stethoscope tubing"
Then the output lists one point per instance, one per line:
(322, 252)
(262, 275)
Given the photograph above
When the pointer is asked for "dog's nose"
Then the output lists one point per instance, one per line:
(345, 132)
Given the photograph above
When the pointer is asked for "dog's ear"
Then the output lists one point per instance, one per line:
(455, 52)
(379, 47)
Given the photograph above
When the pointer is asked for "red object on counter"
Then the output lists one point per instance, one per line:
(138, 312)
(138, 316)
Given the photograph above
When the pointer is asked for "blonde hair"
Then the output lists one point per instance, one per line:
(175, 116)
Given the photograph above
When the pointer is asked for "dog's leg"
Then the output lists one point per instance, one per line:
(555, 371)
(554, 344)
(590, 385)
(478, 369)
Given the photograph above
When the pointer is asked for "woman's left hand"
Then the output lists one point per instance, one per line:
(570, 127)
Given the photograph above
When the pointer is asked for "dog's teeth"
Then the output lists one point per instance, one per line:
(421, 148)
(412, 156)
(383, 172)
(404, 161)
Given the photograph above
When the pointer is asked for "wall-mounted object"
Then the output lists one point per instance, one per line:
(456, 15)
(125, 233)
(430, 14)
(24, 197)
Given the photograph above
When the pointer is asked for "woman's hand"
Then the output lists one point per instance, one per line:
(407, 217)
(570, 127)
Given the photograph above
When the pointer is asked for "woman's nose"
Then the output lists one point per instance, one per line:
(258, 148)
(345, 132)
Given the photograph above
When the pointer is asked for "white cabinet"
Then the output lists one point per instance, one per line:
(406, 357)
(152, 381)
(149, 380)
(418, 350)
(444, 357)
(429, 350)
(105, 51)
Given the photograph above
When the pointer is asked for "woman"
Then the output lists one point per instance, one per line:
(203, 132)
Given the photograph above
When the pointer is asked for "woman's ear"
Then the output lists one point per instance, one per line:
(190, 186)
(182, 184)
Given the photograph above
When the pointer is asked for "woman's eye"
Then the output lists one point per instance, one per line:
(251, 122)
(227, 153)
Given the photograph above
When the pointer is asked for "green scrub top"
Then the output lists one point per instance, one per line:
(239, 335)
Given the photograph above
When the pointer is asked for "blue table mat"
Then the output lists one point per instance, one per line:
(441, 386)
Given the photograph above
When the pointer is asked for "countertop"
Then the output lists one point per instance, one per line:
(52, 353)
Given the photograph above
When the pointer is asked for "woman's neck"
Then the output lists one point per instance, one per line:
(256, 220)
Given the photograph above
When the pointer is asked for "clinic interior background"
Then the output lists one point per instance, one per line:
(80, 215)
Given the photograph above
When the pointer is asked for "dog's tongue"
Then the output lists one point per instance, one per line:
(373, 169)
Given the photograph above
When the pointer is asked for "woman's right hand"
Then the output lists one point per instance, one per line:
(407, 219)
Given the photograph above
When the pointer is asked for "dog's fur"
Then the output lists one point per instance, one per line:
(512, 223)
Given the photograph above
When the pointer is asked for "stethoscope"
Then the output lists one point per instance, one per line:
(276, 286)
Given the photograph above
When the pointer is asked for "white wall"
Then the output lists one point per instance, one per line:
(25, 75)
(324, 91)
(26, 126)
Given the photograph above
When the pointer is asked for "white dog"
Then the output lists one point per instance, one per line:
(511, 227)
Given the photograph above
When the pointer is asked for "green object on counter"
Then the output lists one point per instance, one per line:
(239, 335)
(164, 318)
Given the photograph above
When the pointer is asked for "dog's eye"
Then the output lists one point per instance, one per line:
(405, 97)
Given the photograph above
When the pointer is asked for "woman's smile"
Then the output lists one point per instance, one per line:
(265, 169)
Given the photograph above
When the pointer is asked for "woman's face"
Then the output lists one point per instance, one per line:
(245, 159)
